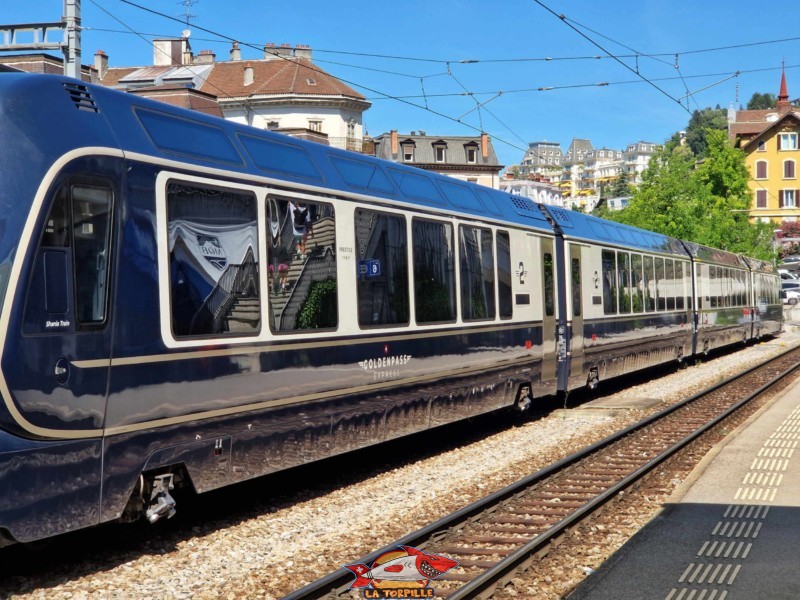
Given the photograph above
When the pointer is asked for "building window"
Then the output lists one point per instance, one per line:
(761, 169)
(440, 153)
(788, 169)
(272, 125)
(762, 146)
(472, 154)
(408, 152)
(761, 198)
(315, 125)
(787, 198)
(787, 141)
(351, 129)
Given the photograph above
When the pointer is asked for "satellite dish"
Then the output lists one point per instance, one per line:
(186, 33)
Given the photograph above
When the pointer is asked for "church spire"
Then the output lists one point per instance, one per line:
(783, 95)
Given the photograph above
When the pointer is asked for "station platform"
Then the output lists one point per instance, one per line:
(730, 531)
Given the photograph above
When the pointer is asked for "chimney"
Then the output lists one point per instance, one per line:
(394, 142)
(249, 77)
(101, 63)
(205, 57)
(236, 53)
(284, 51)
(302, 51)
(270, 51)
(484, 145)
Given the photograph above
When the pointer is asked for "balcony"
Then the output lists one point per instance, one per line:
(352, 144)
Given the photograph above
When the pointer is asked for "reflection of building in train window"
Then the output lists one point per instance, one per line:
(213, 261)
(302, 252)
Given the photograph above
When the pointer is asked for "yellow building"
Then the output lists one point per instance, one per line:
(769, 139)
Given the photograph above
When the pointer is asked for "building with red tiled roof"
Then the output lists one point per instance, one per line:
(283, 91)
(769, 139)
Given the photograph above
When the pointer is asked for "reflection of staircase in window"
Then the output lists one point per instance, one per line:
(320, 264)
(233, 304)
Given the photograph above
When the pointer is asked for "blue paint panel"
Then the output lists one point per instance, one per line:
(419, 187)
(189, 138)
(460, 195)
(362, 174)
(280, 157)
(490, 199)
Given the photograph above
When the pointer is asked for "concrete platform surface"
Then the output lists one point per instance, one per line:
(731, 531)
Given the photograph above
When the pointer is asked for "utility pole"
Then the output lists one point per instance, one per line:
(72, 35)
(11, 37)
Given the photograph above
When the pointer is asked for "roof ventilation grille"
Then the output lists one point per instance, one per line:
(81, 98)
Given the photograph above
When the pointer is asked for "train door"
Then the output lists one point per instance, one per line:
(549, 312)
(66, 343)
(575, 292)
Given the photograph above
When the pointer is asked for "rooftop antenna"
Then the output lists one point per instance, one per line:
(187, 4)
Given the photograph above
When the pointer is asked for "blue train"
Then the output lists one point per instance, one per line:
(188, 302)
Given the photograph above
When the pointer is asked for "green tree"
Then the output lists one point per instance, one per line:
(762, 101)
(704, 202)
(620, 186)
(701, 120)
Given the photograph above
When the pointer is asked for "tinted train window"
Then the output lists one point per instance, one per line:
(301, 270)
(477, 273)
(637, 283)
(74, 256)
(434, 281)
(213, 261)
(549, 286)
(671, 283)
(504, 274)
(623, 277)
(576, 287)
(649, 284)
(609, 282)
(382, 269)
(661, 295)
(680, 284)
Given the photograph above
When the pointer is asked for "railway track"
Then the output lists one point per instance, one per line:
(499, 536)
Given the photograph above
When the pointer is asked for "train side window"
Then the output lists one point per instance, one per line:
(549, 286)
(649, 285)
(213, 261)
(623, 277)
(661, 296)
(504, 275)
(576, 287)
(637, 283)
(477, 273)
(302, 265)
(609, 282)
(680, 285)
(73, 265)
(671, 283)
(434, 277)
(712, 286)
(687, 284)
(91, 236)
(382, 270)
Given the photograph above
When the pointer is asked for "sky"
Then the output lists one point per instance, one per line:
(618, 71)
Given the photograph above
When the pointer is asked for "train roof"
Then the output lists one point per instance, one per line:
(580, 226)
(147, 127)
